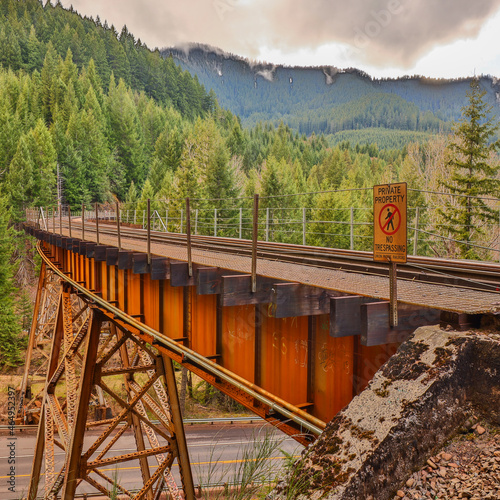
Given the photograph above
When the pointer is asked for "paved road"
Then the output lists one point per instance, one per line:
(216, 453)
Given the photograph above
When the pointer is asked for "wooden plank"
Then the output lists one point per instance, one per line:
(111, 256)
(82, 248)
(140, 263)
(100, 253)
(345, 315)
(208, 280)
(459, 321)
(375, 329)
(160, 268)
(125, 260)
(179, 274)
(295, 299)
(237, 290)
(90, 249)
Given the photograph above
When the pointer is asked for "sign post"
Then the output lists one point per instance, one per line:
(390, 234)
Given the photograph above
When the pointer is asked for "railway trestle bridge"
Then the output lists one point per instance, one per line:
(292, 333)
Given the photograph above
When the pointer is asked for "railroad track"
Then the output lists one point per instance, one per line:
(477, 275)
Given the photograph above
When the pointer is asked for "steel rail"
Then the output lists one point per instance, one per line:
(478, 275)
(300, 417)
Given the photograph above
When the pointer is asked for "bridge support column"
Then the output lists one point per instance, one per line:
(94, 355)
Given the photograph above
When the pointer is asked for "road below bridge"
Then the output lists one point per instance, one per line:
(215, 452)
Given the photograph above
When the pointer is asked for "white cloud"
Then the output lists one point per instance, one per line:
(383, 37)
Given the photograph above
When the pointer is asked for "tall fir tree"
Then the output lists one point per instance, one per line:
(10, 328)
(474, 170)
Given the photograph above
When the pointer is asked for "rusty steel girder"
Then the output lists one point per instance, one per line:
(88, 352)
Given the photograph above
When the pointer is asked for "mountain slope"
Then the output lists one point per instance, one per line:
(326, 99)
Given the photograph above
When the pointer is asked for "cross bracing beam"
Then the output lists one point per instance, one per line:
(88, 355)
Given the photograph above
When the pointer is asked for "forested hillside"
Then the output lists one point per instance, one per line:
(328, 100)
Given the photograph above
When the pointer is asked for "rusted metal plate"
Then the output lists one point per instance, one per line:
(238, 347)
(151, 298)
(134, 294)
(333, 370)
(171, 310)
(284, 349)
(203, 334)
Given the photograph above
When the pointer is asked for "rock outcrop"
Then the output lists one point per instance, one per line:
(414, 404)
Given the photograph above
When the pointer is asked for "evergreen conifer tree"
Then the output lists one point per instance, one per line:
(474, 171)
(10, 328)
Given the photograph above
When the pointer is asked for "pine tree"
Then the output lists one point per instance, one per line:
(474, 171)
(19, 180)
(10, 328)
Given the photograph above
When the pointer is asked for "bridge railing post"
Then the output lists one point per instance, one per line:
(69, 220)
(241, 223)
(415, 235)
(149, 232)
(97, 222)
(267, 224)
(83, 221)
(352, 229)
(118, 226)
(255, 234)
(188, 238)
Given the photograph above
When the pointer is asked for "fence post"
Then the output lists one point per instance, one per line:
(255, 233)
(149, 232)
(498, 237)
(143, 219)
(215, 222)
(118, 226)
(135, 217)
(267, 224)
(182, 220)
(188, 238)
(352, 228)
(415, 236)
(97, 224)
(304, 226)
(241, 222)
(196, 221)
(69, 221)
(166, 219)
(83, 221)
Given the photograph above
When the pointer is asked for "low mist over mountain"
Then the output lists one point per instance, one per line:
(330, 100)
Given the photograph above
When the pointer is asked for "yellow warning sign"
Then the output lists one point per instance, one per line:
(389, 222)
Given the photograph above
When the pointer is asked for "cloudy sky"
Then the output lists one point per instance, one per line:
(438, 38)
